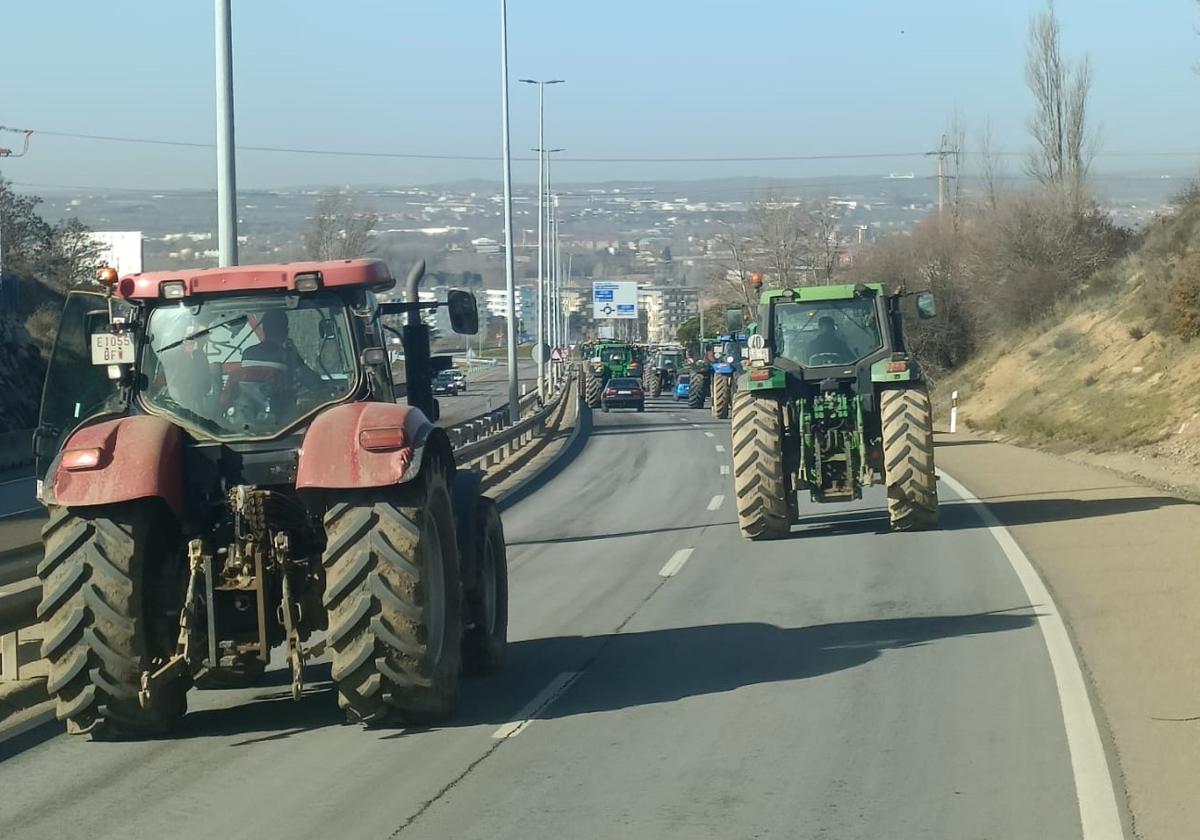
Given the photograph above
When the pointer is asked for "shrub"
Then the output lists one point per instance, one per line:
(1067, 339)
(1183, 302)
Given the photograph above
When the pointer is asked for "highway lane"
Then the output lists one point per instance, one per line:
(667, 679)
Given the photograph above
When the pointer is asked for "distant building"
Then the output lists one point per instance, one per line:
(666, 308)
(495, 304)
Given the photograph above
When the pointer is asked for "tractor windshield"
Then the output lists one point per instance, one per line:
(241, 367)
(827, 332)
(614, 357)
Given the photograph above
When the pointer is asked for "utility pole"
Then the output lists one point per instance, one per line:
(227, 238)
(944, 151)
(514, 398)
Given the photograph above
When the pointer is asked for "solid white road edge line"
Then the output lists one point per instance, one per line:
(715, 502)
(724, 469)
(672, 566)
(556, 688)
(1098, 812)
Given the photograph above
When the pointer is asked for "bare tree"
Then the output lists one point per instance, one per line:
(731, 272)
(780, 231)
(991, 167)
(823, 246)
(339, 229)
(1065, 143)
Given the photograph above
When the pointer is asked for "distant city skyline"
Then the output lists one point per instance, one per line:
(668, 80)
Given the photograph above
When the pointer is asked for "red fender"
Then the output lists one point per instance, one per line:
(140, 458)
(333, 457)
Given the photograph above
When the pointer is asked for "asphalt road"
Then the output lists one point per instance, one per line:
(667, 680)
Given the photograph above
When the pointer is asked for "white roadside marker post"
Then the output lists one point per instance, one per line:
(953, 411)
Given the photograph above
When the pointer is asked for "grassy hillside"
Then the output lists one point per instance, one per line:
(1114, 375)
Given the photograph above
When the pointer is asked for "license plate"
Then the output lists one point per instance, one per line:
(113, 349)
(624, 392)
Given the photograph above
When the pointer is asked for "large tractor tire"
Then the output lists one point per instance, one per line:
(104, 620)
(485, 642)
(652, 384)
(592, 388)
(722, 393)
(394, 595)
(697, 390)
(908, 459)
(759, 479)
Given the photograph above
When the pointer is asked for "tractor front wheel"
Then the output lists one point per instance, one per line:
(697, 390)
(722, 391)
(652, 383)
(105, 613)
(394, 596)
(592, 388)
(485, 641)
(759, 477)
(908, 459)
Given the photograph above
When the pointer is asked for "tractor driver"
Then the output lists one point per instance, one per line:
(828, 342)
(276, 350)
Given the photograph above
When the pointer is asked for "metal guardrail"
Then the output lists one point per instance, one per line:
(485, 440)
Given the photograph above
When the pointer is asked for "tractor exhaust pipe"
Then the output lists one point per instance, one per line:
(412, 288)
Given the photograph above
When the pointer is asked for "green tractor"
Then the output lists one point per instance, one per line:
(830, 401)
(609, 360)
(663, 365)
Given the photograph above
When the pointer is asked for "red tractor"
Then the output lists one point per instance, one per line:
(227, 470)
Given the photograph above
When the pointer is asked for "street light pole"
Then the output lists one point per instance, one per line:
(227, 240)
(514, 399)
(542, 311)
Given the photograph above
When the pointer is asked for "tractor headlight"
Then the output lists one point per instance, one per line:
(729, 359)
(173, 289)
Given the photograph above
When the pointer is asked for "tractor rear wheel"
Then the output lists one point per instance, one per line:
(105, 618)
(592, 386)
(908, 459)
(485, 642)
(759, 478)
(697, 390)
(394, 596)
(722, 390)
(652, 383)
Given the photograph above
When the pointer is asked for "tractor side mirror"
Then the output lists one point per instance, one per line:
(926, 306)
(464, 312)
(733, 320)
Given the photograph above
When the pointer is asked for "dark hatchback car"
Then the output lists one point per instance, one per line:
(623, 392)
(445, 384)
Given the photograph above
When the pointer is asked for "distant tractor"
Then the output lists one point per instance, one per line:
(726, 365)
(609, 360)
(227, 470)
(831, 401)
(662, 366)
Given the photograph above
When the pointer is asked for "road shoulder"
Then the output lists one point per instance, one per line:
(1120, 560)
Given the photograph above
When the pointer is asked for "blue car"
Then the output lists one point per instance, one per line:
(681, 386)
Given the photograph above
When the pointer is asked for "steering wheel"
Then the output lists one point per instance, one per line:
(820, 359)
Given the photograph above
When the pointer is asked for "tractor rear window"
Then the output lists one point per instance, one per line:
(247, 367)
(828, 332)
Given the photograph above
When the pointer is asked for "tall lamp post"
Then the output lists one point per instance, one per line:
(514, 399)
(227, 240)
(539, 351)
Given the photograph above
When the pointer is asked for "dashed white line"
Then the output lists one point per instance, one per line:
(724, 469)
(697, 425)
(720, 448)
(709, 434)
(672, 566)
(715, 502)
(537, 705)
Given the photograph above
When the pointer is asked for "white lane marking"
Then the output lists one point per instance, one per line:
(1098, 812)
(537, 705)
(715, 502)
(697, 425)
(31, 722)
(709, 434)
(720, 448)
(724, 469)
(672, 566)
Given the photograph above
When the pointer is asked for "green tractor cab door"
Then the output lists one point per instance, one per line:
(75, 389)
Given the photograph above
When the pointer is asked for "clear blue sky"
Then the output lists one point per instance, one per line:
(646, 78)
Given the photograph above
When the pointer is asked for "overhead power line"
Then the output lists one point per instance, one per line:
(295, 150)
